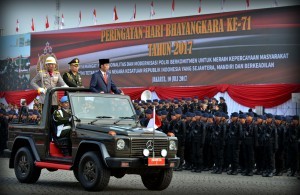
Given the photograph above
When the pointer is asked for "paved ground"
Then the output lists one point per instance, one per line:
(63, 182)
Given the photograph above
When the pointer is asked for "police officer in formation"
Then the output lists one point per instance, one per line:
(249, 144)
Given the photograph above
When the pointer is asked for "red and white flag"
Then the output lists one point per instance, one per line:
(32, 25)
(47, 23)
(115, 15)
(134, 13)
(173, 8)
(95, 17)
(152, 12)
(247, 4)
(79, 19)
(154, 122)
(62, 22)
(200, 8)
(17, 26)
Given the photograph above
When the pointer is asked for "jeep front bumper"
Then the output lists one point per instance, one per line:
(113, 162)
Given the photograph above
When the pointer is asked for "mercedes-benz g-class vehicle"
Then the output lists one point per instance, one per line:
(106, 140)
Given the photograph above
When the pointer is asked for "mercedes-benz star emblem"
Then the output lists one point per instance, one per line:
(149, 145)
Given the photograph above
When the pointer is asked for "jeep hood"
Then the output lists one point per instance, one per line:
(120, 130)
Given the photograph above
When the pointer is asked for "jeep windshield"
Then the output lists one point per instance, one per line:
(97, 108)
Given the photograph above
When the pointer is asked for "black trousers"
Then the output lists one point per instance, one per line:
(248, 154)
(218, 151)
(269, 156)
(208, 160)
(259, 158)
(293, 158)
(279, 159)
(197, 153)
(233, 155)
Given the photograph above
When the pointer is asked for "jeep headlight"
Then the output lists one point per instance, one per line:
(172, 145)
(120, 144)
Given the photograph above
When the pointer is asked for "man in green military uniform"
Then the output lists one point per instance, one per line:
(73, 78)
(62, 119)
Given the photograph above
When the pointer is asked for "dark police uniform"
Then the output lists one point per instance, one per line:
(270, 146)
(259, 146)
(248, 141)
(207, 148)
(233, 138)
(179, 129)
(70, 79)
(198, 138)
(218, 142)
(281, 129)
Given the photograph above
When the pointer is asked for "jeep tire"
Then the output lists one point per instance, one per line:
(25, 169)
(92, 175)
(158, 181)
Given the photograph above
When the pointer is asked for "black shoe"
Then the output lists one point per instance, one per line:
(250, 173)
(219, 171)
(264, 174)
(291, 174)
(270, 174)
(229, 172)
(193, 170)
(206, 169)
(278, 173)
(198, 170)
(234, 173)
(214, 171)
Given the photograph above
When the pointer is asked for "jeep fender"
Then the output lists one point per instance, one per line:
(82, 148)
(19, 142)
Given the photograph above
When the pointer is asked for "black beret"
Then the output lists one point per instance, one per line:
(234, 114)
(295, 117)
(188, 99)
(210, 116)
(195, 97)
(148, 101)
(205, 115)
(103, 61)
(218, 114)
(198, 113)
(175, 101)
(136, 101)
(183, 116)
(159, 113)
(164, 112)
(138, 112)
(173, 113)
(74, 61)
(178, 111)
(149, 111)
(284, 118)
(155, 100)
(221, 98)
(278, 117)
(161, 101)
(250, 114)
(242, 116)
(269, 115)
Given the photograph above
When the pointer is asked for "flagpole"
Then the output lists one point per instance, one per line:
(154, 113)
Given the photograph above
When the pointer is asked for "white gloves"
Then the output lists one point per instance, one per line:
(42, 90)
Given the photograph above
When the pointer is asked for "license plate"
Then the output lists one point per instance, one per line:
(156, 161)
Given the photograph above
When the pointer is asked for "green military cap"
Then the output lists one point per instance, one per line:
(75, 61)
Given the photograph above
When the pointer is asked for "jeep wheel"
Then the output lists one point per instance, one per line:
(92, 175)
(25, 169)
(158, 181)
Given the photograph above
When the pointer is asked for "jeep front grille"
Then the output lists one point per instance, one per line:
(138, 145)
